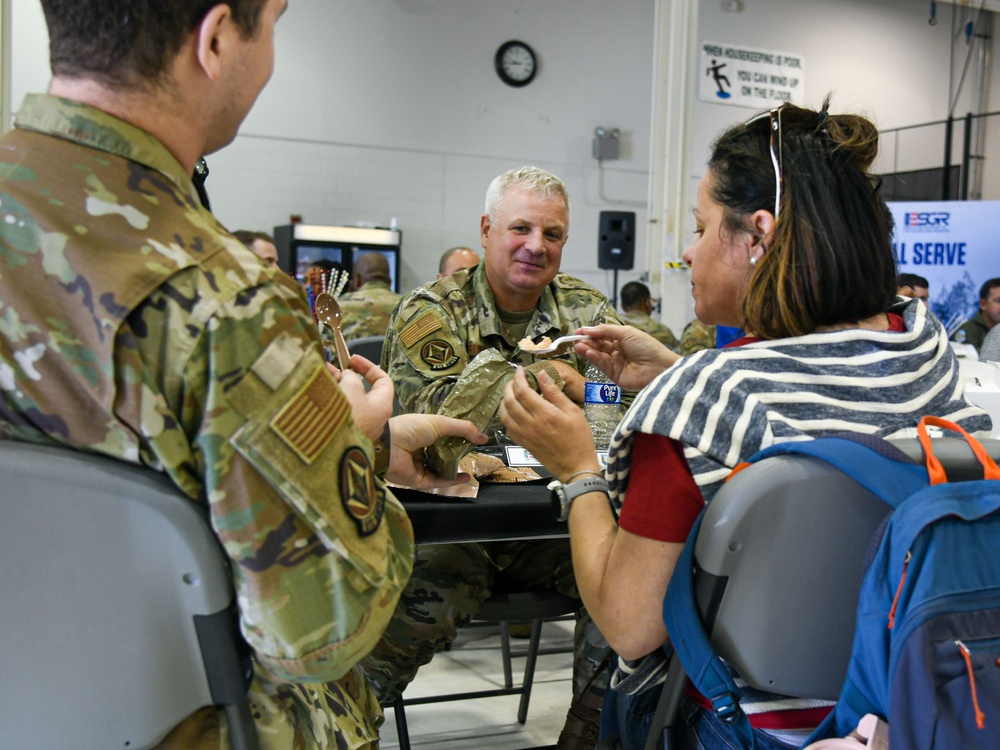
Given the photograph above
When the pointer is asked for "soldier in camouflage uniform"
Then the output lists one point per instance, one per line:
(637, 307)
(454, 325)
(697, 336)
(367, 307)
(136, 327)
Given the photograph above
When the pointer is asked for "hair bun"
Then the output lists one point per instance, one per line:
(855, 135)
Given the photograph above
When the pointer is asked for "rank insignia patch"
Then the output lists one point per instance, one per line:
(419, 328)
(439, 354)
(308, 422)
(363, 500)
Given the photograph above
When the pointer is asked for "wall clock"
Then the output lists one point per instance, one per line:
(516, 63)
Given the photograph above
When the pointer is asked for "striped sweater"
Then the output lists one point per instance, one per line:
(724, 405)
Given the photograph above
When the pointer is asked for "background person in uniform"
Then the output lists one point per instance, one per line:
(974, 330)
(637, 308)
(912, 285)
(697, 336)
(468, 322)
(260, 244)
(793, 245)
(178, 350)
(456, 259)
(367, 307)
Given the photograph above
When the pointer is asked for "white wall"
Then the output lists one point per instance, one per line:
(877, 57)
(382, 108)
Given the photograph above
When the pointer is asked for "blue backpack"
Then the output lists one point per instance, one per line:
(926, 650)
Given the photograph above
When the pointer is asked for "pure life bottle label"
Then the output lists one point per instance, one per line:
(602, 393)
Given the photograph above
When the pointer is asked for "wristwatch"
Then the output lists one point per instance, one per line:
(564, 494)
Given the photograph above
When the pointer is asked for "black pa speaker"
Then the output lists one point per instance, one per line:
(616, 240)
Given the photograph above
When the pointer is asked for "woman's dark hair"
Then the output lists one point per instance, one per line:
(130, 43)
(831, 259)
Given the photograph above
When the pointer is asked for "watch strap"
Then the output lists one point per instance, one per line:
(583, 486)
(566, 493)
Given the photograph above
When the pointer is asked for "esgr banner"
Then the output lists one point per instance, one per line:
(953, 244)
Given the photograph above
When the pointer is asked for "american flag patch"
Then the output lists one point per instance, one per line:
(419, 328)
(308, 422)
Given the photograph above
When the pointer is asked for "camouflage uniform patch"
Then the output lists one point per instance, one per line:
(418, 329)
(359, 493)
(438, 354)
(309, 421)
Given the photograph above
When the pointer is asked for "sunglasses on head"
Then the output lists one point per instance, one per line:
(774, 129)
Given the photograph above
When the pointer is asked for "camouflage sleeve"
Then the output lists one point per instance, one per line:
(320, 549)
(668, 339)
(697, 336)
(606, 313)
(424, 354)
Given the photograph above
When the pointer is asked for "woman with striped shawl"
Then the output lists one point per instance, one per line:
(792, 244)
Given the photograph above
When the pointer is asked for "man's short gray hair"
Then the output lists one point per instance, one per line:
(532, 179)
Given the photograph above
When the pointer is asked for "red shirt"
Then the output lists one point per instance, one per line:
(663, 499)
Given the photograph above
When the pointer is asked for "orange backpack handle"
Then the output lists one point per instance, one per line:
(934, 468)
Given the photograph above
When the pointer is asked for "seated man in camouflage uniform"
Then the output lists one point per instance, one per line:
(637, 307)
(367, 307)
(448, 328)
(137, 327)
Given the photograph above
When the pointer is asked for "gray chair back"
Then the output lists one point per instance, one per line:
(369, 347)
(116, 607)
(780, 559)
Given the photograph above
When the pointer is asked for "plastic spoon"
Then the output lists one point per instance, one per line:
(555, 344)
(328, 311)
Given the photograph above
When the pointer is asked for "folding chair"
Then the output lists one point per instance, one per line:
(778, 568)
(117, 614)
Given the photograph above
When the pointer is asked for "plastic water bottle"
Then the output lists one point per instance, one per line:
(602, 405)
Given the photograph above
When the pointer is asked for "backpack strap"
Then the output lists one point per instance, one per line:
(871, 462)
(691, 645)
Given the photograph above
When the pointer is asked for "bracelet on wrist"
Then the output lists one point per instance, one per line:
(598, 474)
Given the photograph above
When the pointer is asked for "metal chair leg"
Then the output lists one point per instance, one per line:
(529, 670)
(402, 733)
(508, 677)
